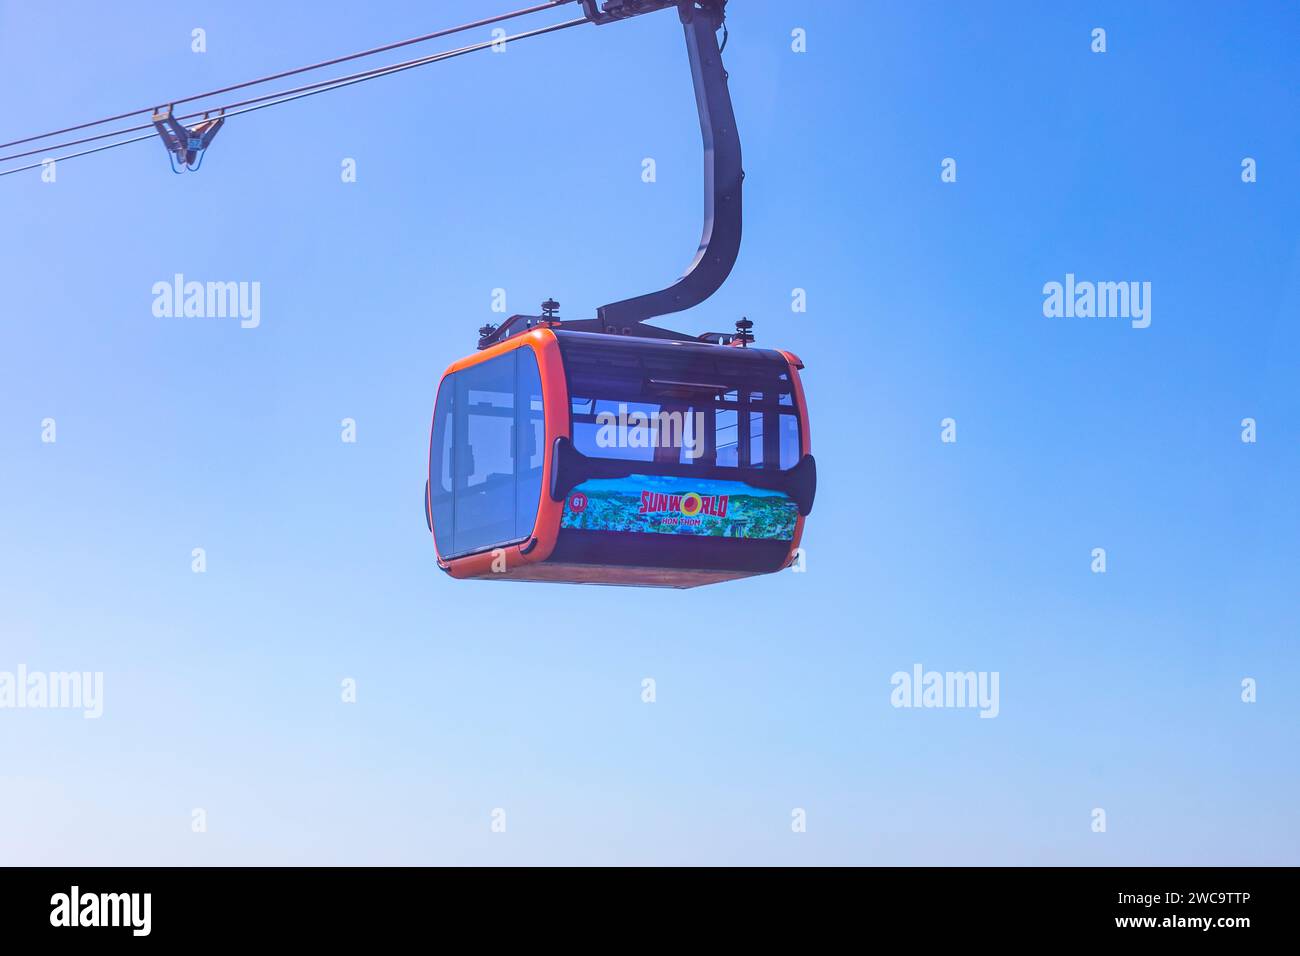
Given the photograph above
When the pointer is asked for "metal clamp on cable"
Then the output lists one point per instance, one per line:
(186, 144)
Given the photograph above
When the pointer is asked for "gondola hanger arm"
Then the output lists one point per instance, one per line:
(723, 177)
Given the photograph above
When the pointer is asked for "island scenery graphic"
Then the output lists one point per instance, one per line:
(670, 505)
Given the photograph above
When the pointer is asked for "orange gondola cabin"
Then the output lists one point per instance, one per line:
(560, 455)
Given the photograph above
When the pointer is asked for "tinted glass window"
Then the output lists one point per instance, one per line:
(727, 433)
(599, 431)
(484, 454)
(756, 449)
(530, 436)
(440, 466)
(681, 405)
(789, 441)
(489, 441)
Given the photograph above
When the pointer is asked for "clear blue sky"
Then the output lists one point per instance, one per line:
(523, 171)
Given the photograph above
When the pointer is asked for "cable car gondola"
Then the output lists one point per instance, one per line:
(612, 451)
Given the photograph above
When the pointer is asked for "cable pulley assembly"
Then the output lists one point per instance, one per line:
(186, 144)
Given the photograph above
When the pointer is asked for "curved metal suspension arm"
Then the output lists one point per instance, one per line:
(723, 175)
